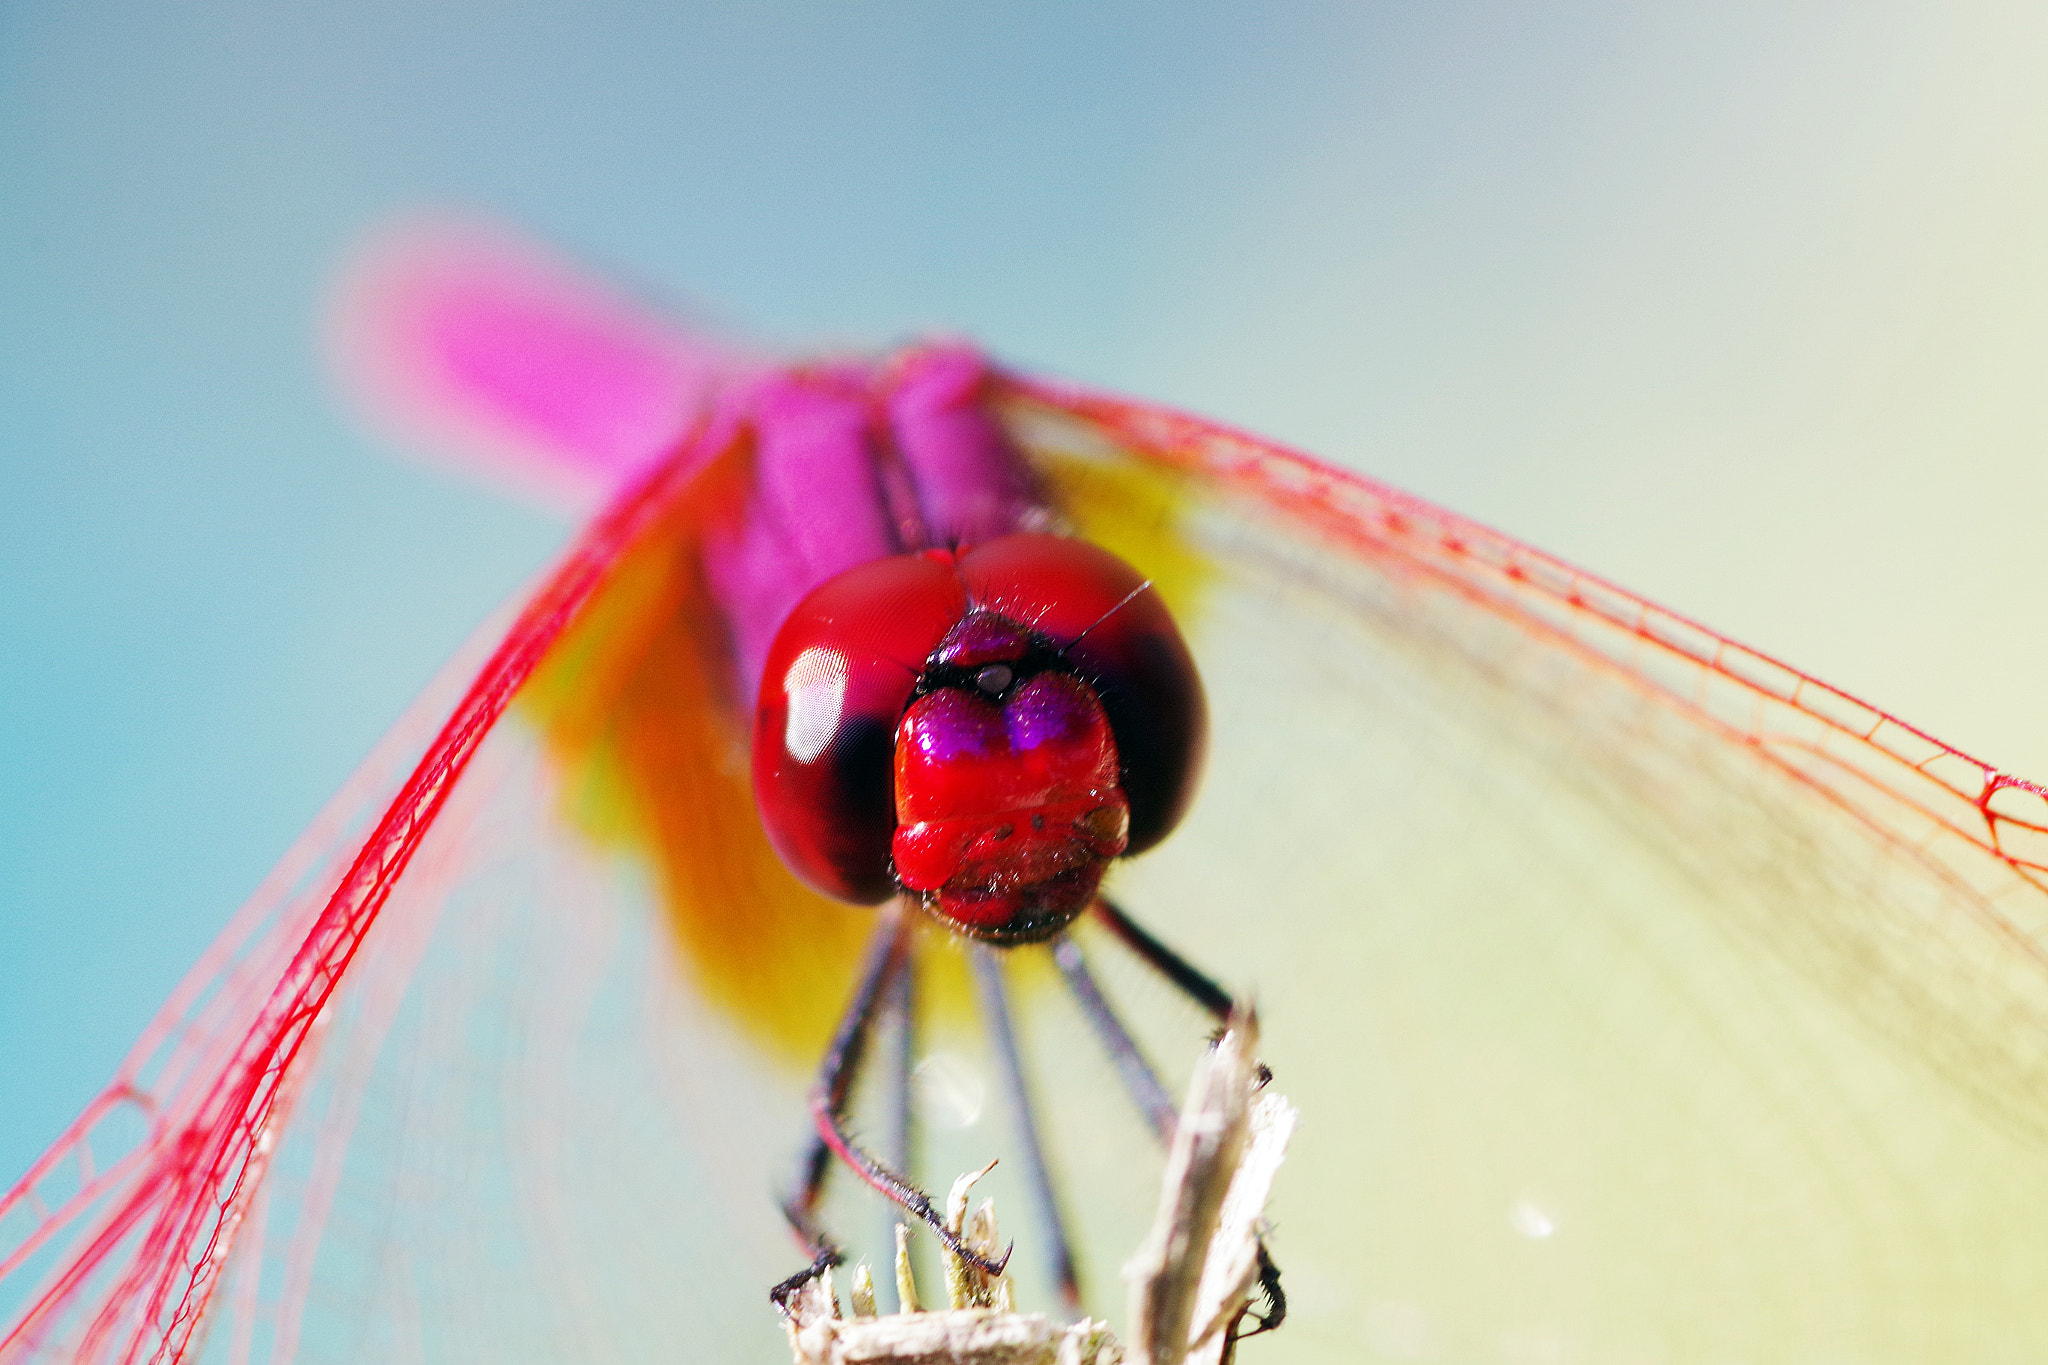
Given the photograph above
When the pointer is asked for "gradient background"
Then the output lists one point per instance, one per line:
(1742, 305)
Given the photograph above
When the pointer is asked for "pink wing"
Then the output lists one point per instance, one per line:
(468, 344)
(1644, 997)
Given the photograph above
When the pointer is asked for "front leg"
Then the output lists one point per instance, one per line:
(886, 962)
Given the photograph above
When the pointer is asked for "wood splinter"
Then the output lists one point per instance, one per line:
(1192, 1281)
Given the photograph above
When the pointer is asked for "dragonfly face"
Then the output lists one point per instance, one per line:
(1006, 789)
(984, 729)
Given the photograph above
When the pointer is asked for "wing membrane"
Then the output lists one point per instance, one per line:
(1644, 999)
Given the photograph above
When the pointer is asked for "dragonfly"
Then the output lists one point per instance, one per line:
(1644, 998)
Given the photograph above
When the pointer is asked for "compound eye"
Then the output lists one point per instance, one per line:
(838, 677)
(1116, 636)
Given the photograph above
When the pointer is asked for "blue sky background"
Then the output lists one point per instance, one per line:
(1743, 305)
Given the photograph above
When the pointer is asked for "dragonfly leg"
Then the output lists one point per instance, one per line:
(816, 1163)
(901, 1009)
(995, 1009)
(1140, 1080)
(880, 966)
(1276, 1308)
(783, 1291)
(1193, 982)
(1276, 1298)
(887, 954)
(900, 1149)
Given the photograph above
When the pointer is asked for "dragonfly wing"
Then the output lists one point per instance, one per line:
(1643, 998)
(483, 350)
(125, 1220)
(461, 1083)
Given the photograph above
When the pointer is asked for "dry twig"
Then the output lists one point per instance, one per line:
(1191, 1281)
(1196, 1272)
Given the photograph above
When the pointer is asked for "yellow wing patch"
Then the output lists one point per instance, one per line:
(636, 709)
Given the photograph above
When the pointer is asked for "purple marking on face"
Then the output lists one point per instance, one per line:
(1049, 709)
(970, 482)
(954, 724)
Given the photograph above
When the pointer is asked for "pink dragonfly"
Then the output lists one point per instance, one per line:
(1644, 998)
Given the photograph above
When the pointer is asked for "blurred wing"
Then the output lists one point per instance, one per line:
(460, 1082)
(1644, 999)
(471, 345)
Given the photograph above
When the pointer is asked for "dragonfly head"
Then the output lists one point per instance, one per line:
(982, 728)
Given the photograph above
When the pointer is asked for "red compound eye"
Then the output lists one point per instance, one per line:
(986, 730)
(841, 670)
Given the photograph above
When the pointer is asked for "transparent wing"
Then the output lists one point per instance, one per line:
(88, 1233)
(444, 1092)
(1644, 999)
